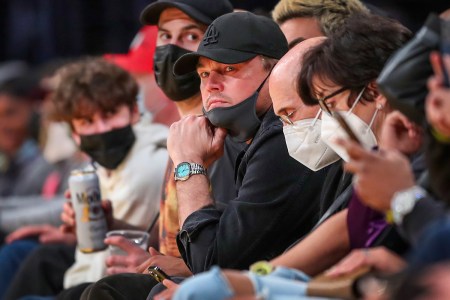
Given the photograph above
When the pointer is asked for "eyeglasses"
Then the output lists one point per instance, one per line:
(285, 119)
(323, 105)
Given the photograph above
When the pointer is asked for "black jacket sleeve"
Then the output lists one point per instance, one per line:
(277, 202)
(425, 212)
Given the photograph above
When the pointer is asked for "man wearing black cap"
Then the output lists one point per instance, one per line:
(276, 197)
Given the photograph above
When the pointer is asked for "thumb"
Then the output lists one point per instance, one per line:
(107, 205)
(169, 283)
(154, 252)
(220, 134)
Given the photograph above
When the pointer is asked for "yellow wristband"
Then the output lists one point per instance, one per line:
(261, 268)
(389, 217)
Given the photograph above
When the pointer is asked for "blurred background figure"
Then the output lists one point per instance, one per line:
(36, 154)
(21, 159)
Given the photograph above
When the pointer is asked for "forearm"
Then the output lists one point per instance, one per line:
(192, 194)
(322, 248)
(35, 213)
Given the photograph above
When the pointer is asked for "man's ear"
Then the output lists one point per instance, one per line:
(372, 88)
(135, 114)
(381, 101)
(378, 97)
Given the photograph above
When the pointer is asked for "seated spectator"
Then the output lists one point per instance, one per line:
(303, 19)
(414, 208)
(58, 149)
(23, 170)
(101, 115)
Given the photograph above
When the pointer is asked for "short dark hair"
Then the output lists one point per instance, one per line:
(353, 56)
(91, 84)
(268, 62)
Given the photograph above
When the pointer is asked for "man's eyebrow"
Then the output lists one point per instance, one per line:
(199, 65)
(187, 27)
(192, 26)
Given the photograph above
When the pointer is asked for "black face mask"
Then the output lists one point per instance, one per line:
(175, 87)
(110, 148)
(240, 120)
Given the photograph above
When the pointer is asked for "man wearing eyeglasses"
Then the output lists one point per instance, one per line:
(276, 199)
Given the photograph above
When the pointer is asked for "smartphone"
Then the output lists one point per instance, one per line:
(338, 117)
(157, 273)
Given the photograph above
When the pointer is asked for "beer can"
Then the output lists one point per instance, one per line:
(91, 226)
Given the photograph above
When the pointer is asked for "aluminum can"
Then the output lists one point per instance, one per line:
(91, 226)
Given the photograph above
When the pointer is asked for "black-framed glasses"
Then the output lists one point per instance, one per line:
(286, 119)
(323, 105)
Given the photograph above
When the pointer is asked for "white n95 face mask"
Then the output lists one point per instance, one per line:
(332, 130)
(303, 140)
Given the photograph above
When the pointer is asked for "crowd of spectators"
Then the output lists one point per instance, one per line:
(293, 149)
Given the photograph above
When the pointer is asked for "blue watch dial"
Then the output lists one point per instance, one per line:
(183, 170)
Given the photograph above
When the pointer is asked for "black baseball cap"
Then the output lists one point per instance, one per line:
(203, 11)
(234, 38)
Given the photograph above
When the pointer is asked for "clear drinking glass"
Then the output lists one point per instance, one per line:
(137, 237)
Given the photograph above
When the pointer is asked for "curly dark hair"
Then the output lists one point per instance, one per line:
(91, 84)
(353, 56)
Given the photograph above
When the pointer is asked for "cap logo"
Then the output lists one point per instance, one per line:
(211, 36)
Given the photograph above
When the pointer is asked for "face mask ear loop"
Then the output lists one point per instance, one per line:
(373, 118)
(316, 118)
(264, 81)
(356, 101)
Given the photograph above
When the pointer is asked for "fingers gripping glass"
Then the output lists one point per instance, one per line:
(323, 105)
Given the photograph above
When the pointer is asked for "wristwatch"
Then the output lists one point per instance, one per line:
(184, 170)
(404, 201)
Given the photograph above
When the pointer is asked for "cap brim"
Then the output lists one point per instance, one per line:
(188, 62)
(150, 15)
